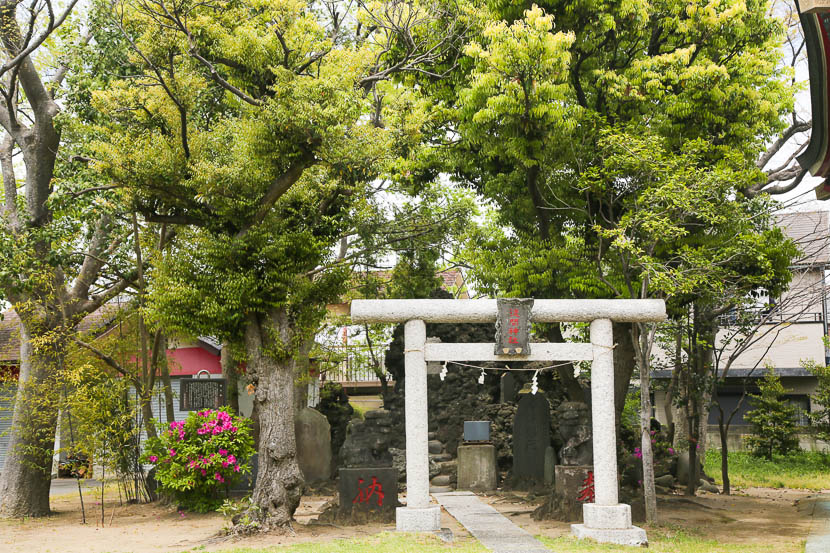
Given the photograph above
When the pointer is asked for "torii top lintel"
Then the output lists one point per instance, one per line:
(486, 311)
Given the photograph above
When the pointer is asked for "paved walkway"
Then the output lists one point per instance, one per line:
(63, 486)
(487, 525)
(819, 539)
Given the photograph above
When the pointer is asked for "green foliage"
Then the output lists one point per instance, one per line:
(198, 457)
(772, 419)
(100, 408)
(630, 418)
(820, 399)
(797, 469)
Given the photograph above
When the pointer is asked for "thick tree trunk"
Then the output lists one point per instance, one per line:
(231, 376)
(624, 363)
(26, 475)
(573, 389)
(279, 484)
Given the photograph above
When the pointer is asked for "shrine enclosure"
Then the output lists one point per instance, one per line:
(605, 520)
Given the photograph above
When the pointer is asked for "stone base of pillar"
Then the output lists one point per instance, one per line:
(606, 516)
(415, 519)
(620, 536)
(609, 524)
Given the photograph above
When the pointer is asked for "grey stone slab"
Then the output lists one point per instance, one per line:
(531, 436)
(487, 525)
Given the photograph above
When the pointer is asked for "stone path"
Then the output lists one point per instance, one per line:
(819, 539)
(487, 525)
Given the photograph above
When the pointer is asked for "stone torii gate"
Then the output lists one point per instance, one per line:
(606, 519)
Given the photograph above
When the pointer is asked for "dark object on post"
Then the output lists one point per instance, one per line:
(513, 326)
(476, 431)
(202, 393)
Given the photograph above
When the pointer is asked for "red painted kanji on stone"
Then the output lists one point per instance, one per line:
(363, 494)
(586, 494)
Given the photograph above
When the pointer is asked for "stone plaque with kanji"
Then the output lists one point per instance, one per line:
(201, 393)
(513, 326)
(370, 492)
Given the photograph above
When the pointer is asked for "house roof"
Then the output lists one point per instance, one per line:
(452, 280)
(811, 231)
(96, 321)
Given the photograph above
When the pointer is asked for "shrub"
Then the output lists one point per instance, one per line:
(772, 419)
(197, 458)
(820, 416)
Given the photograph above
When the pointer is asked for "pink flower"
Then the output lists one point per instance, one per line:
(172, 453)
(153, 458)
(231, 459)
(204, 472)
(236, 468)
(225, 464)
(671, 451)
(218, 477)
(223, 452)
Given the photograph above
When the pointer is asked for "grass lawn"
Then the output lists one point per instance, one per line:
(661, 540)
(387, 542)
(670, 540)
(802, 470)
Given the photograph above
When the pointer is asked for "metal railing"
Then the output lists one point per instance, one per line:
(768, 317)
(353, 363)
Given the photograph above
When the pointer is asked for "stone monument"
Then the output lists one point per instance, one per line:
(507, 388)
(313, 435)
(368, 483)
(531, 437)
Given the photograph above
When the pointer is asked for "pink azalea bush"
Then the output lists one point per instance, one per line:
(197, 459)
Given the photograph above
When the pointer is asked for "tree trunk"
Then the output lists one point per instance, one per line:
(279, 484)
(565, 372)
(649, 493)
(146, 399)
(231, 376)
(641, 341)
(624, 362)
(26, 475)
(167, 387)
(723, 430)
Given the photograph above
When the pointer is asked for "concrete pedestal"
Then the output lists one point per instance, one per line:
(418, 519)
(477, 467)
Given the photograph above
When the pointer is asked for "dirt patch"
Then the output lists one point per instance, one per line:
(757, 515)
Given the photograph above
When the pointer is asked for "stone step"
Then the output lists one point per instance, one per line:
(432, 435)
(441, 480)
(440, 457)
(440, 489)
(435, 446)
